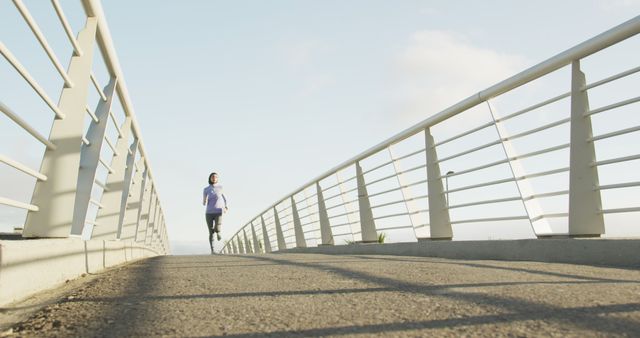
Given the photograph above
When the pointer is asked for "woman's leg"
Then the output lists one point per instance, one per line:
(218, 222)
(209, 218)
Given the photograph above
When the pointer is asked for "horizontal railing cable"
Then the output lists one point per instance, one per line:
(611, 78)
(19, 205)
(612, 106)
(546, 194)
(115, 124)
(554, 215)
(497, 200)
(92, 114)
(398, 188)
(22, 167)
(399, 201)
(616, 160)
(534, 107)
(620, 210)
(24, 125)
(341, 204)
(67, 28)
(343, 214)
(490, 219)
(396, 174)
(401, 214)
(31, 22)
(614, 133)
(618, 185)
(30, 80)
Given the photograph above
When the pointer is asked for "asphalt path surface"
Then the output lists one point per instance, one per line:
(327, 295)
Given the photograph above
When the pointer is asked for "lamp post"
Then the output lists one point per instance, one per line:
(446, 180)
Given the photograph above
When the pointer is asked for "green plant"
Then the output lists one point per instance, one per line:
(381, 237)
(349, 241)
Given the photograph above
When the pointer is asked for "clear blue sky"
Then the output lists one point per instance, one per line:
(272, 93)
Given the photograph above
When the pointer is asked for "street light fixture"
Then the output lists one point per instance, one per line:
(446, 180)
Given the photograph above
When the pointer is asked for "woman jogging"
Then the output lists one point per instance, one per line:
(216, 203)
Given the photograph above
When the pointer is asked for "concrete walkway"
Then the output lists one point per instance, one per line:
(324, 295)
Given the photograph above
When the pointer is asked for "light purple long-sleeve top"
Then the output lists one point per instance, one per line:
(216, 200)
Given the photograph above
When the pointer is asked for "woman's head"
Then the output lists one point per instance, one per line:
(213, 178)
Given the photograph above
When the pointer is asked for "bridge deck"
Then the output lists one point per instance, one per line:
(310, 295)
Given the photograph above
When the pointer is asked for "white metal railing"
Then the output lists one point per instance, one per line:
(127, 204)
(401, 185)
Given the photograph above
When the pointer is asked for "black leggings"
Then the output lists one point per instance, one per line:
(213, 224)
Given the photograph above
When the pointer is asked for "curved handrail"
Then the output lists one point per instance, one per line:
(578, 52)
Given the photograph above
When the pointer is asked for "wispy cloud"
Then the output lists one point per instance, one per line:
(439, 68)
(617, 5)
(303, 54)
(429, 11)
(305, 58)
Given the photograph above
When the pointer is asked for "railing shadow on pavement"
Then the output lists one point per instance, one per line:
(590, 316)
(129, 300)
(140, 291)
(485, 265)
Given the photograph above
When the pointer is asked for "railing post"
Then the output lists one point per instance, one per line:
(247, 243)
(160, 226)
(410, 205)
(256, 243)
(165, 238)
(240, 245)
(265, 236)
(154, 221)
(56, 196)
(367, 225)
(133, 204)
(160, 223)
(234, 247)
(148, 219)
(126, 187)
(282, 245)
(439, 221)
(585, 203)
(143, 201)
(109, 216)
(89, 159)
(153, 210)
(154, 231)
(325, 227)
(163, 229)
(297, 225)
(240, 240)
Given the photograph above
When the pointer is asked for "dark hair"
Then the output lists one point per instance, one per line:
(209, 179)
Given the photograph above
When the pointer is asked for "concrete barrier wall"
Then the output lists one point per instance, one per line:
(30, 266)
(604, 252)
